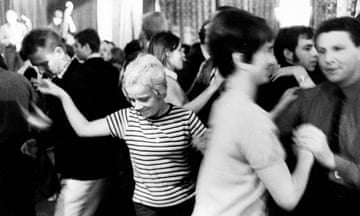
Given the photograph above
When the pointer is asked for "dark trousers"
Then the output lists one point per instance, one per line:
(17, 193)
(183, 209)
(117, 200)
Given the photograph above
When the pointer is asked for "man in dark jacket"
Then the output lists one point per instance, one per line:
(85, 164)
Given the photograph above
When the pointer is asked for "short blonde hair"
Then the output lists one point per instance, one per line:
(148, 71)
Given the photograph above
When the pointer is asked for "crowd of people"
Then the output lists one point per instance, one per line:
(247, 122)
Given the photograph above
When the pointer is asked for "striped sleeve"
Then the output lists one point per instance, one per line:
(117, 123)
(197, 128)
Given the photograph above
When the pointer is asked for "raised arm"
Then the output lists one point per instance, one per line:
(288, 97)
(77, 120)
(300, 74)
(200, 101)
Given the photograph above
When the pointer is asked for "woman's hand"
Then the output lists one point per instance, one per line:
(30, 148)
(46, 86)
(299, 72)
(314, 139)
(288, 96)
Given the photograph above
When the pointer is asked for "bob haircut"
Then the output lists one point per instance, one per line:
(145, 70)
(346, 24)
(162, 43)
(235, 30)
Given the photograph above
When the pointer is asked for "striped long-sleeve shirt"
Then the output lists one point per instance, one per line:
(159, 150)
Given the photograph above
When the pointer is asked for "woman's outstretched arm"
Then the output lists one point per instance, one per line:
(80, 124)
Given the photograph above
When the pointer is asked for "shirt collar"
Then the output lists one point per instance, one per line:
(62, 73)
(171, 74)
(94, 55)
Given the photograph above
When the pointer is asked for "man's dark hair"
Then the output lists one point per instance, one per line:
(44, 38)
(287, 38)
(89, 36)
(202, 32)
(235, 30)
(347, 24)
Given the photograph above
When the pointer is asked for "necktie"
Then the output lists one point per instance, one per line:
(335, 121)
(334, 135)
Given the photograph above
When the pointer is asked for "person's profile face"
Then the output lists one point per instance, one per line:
(339, 57)
(305, 53)
(58, 17)
(105, 51)
(80, 50)
(47, 62)
(263, 61)
(11, 17)
(175, 58)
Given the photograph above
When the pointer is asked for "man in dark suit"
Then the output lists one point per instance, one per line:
(197, 55)
(85, 164)
(17, 192)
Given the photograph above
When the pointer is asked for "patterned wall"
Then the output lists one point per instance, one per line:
(186, 16)
(261, 8)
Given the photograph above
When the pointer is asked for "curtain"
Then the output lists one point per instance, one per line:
(119, 20)
(261, 8)
(40, 11)
(127, 21)
(85, 14)
(4, 6)
(35, 10)
(185, 17)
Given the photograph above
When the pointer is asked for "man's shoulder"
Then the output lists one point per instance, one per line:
(318, 96)
(14, 82)
(98, 63)
(11, 76)
(323, 88)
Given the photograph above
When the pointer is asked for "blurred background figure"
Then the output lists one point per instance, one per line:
(152, 23)
(63, 24)
(11, 35)
(197, 54)
(69, 27)
(56, 23)
(117, 57)
(105, 49)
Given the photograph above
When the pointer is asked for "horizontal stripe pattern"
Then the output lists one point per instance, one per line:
(159, 150)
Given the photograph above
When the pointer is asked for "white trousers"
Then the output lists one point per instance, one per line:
(79, 197)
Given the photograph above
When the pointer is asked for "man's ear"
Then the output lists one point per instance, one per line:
(237, 58)
(289, 56)
(59, 50)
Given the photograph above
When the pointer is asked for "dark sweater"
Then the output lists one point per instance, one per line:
(14, 130)
(96, 93)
